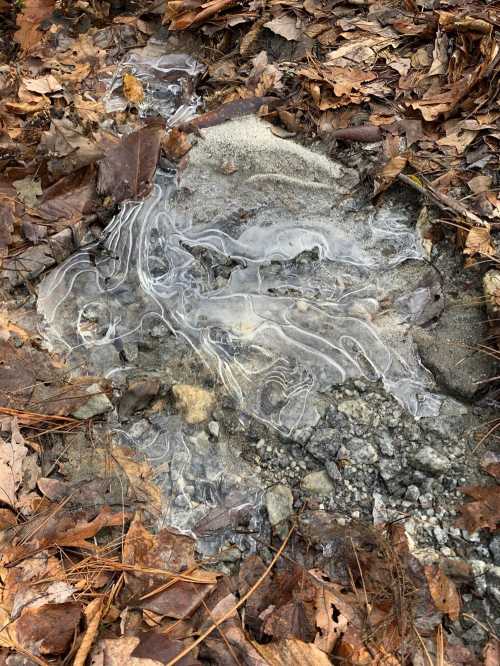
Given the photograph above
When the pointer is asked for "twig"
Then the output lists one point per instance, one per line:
(442, 200)
(94, 613)
(240, 603)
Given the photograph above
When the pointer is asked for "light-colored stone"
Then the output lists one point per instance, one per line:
(429, 460)
(317, 483)
(357, 410)
(214, 429)
(98, 403)
(194, 402)
(279, 504)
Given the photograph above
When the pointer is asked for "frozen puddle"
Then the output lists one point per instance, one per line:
(265, 258)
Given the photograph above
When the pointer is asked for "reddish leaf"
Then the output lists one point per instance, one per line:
(29, 20)
(128, 169)
(48, 629)
(484, 512)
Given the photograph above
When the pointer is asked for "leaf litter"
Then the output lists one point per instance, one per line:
(421, 83)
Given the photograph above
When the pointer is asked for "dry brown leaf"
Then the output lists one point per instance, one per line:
(28, 22)
(478, 241)
(443, 591)
(25, 108)
(491, 653)
(389, 173)
(483, 512)
(48, 629)
(480, 184)
(12, 456)
(127, 170)
(440, 55)
(292, 651)
(175, 144)
(118, 652)
(44, 85)
(140, 476)
(132, 88)
(285, 26)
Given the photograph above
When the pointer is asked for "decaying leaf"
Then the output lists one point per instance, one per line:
(478, 241)
(285, 26)
(29, 19)
(443, 591)
(48, 629)
(127, 170)
(12, 455)
(132, 88)
(292, 651)
(175, 144)
(484, 511)
(390, 172)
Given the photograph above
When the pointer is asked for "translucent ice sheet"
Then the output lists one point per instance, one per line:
(272, 332)
(278, 278)
(168, 82)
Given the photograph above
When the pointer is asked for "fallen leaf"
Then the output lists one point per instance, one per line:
(483, 512)
(167, 551)
(491, 653)
(24, 108)
(67, 148)
(28, 190)
(439, 55)
(12, 456)
(127, 170)
(44, 85)
(160, 648)
(389, 173)
(478, 241)
(48, 629)
(140, 476)
(118, 652)
(28, 21)
(443, 591)
(175, 144)
(292, 651)
(285, 26)
(480, 184)
(132, 89)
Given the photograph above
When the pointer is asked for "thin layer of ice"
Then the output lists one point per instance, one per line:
(278, 276)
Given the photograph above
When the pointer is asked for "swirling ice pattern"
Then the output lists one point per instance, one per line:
(272, 339)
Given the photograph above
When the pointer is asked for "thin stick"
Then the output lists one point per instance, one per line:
(230, 612)
(443, 201)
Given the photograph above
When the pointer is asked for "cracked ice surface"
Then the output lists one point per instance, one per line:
(278, 275)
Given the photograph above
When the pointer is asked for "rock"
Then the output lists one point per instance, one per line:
(193, 401)
(362, 452)
(385, 444)
(98, 403)
(357, 410)
(493, 584)
(138, 395)
(317, 483)
(446, 349)
(494, 547)
(214, 429)
(412, 493)
(429, 460)
(279, 505)
(324, 444)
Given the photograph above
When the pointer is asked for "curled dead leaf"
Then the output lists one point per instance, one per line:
(389, 173)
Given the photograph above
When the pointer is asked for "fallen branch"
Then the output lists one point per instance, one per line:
(443, 201)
